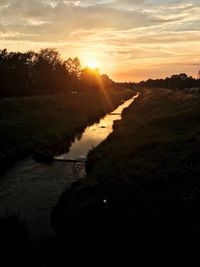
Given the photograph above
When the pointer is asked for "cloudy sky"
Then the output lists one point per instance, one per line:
(130, 39)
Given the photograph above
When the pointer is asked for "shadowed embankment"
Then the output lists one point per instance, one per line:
(144, 177)
(45, 126)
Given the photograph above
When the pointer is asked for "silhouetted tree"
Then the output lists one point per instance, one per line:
(106, 80)
(31, 73)
(177, 81)
(73, 67)
(90, 78)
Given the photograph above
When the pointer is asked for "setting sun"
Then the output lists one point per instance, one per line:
(92, 64)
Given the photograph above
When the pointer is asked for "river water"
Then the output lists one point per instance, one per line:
(32, 189)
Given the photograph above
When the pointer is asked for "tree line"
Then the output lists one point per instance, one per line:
(177, 81)
(44, 72)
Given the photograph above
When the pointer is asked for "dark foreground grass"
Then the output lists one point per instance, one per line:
(14, 246)
(44, 126)
(144, 177)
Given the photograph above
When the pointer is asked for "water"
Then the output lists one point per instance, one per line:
(32, 189)
(94, 135)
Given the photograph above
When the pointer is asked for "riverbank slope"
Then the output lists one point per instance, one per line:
(46, 125)
(144, 176)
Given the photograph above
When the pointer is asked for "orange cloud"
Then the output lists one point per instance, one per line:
(131, 40)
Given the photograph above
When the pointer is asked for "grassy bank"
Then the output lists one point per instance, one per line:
(46, 125)
(146, 173)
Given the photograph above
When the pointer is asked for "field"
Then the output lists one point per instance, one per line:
(44, 126)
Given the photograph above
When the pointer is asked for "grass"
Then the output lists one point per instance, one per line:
(146, 172)
(14, 243)
(46, 125)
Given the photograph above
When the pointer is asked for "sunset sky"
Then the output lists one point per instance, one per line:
(130, 39)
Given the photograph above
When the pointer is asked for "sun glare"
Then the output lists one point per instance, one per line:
(92, 64)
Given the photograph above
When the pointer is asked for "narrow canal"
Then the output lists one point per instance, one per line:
(32, 189)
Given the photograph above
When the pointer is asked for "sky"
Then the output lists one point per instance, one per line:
(131, 40)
